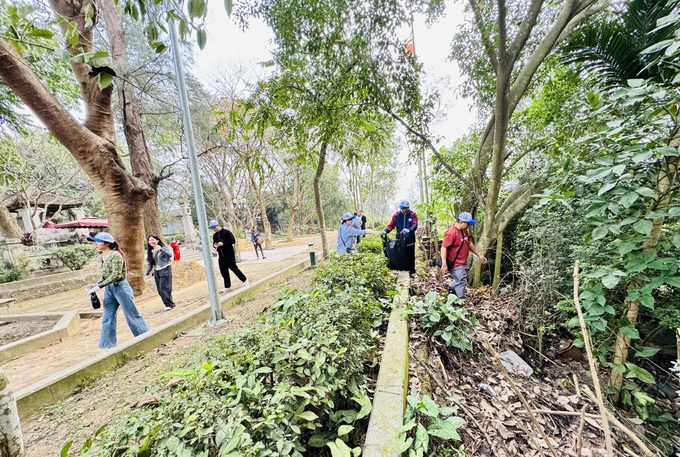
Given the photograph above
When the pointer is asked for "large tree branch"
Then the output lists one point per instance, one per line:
(99, 113)
(569, 16)
(525, 28)
(514, 203)
(96, 156)
(572, 13)
(429, 145)
(19, 77)
(486, 41)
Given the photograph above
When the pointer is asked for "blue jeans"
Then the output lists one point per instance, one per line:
(119, 294)
(460, 280)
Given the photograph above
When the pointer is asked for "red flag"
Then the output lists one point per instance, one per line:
(410, 48)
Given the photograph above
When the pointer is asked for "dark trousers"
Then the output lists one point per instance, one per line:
(258, 246)
(163, 280)
(411, 258)
(229, 263)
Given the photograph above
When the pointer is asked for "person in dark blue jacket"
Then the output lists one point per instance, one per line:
(406, 223)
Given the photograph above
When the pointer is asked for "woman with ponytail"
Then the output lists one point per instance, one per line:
(117, 290)
(158, 257)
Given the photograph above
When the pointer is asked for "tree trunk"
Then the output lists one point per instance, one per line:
(497, 263)
(297, 198)
(140, 160)
(11, 439)
(667, 177)
(92, 144)
(317, 197)
(503, 57)
(261, 205)
(8, 225)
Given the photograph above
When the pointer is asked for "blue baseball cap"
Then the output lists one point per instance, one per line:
(213, 224)
(466, 217)
(404, 204)
(347, 217)
(102, 237)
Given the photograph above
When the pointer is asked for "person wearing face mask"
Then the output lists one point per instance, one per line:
(158, 257)
(117, 291)
(405, 222)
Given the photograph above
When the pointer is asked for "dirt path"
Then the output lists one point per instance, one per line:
(79, 416)
(190, 292)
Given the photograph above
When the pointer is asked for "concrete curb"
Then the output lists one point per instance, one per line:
(64, 383)
(389, 401)
(65, 327)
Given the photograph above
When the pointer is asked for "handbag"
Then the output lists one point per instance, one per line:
(96, 304)
(259, 240)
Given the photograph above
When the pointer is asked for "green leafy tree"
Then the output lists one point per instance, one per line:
(337, 62)
(638, 178)
(516, 39)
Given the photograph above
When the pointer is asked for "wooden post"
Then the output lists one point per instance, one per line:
(593, 369)
(11, 439)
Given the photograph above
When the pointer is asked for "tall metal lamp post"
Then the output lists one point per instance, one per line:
(216, 315)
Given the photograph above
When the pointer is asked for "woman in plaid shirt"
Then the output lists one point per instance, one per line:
(117, 291)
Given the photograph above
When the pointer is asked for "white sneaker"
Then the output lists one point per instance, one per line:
(225, 289)
(246, 282)
(168, 308)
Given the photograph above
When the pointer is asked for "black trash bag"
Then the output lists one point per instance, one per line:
(395, 251)
(96, 304)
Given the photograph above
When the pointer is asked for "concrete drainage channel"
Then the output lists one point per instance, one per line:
(389, 402)
(62, 384)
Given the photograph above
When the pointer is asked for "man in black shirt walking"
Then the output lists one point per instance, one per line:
(223, 241)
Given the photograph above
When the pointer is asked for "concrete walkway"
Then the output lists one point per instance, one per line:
(41, 363)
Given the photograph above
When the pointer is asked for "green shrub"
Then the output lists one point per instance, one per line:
(9, 273)
(293, 381)
(440, 318)
(75, 256)
(371, 243)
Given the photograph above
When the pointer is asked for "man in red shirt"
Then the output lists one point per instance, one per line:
(455, 249)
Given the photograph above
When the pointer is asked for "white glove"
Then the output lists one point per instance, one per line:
(93, 289)
(405, 231)
(89, 286)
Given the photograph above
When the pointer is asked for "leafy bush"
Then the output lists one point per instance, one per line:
(429, 429)
(75, 256)
(345, 272)
(296, 379)
(9, 273)
(440, 318)
(371, 243)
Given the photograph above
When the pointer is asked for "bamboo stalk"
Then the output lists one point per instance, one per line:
(618, 424)
(579, 436)
(521, 397)
(593, 370)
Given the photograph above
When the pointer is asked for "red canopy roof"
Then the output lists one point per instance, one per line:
(86, 222)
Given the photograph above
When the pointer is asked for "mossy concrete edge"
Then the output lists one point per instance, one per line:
(389, 401)
(60, 385)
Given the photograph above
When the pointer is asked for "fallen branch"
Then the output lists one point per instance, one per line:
(521, 397)
(593, 370)
(579, 437)
(618, 424)
(565, 413)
